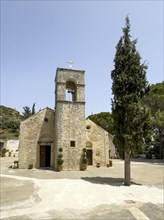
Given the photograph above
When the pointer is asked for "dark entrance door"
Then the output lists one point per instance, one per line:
(89, 157)
(45, 156)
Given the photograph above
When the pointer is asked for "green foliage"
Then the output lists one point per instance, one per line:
(9, 122)
(104, 120)
(155, 101)
(6, 111)
(28, 112)
(30, 166)
(84, 160)
(60, 156)
(84, 150)
(158, 120)
(84, 156)
(131, 120)
(60, 161)
(2, 152)
(33, 109)
(60, 149)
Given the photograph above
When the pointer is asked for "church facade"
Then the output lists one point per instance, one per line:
(43, 134)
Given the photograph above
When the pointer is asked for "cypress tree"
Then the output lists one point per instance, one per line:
(131, 118)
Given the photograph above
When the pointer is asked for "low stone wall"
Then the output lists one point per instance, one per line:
(12, 148)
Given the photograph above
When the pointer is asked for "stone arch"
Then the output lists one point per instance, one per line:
(88, 145)
(45, 138)
(71, 90)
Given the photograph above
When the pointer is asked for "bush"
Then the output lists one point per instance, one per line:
(60, 156)
(60, 161)
(84, 156)
(84, 160)
(60, 149)
(30, 166)
(3, 151)
(9, 123)
(84, 150)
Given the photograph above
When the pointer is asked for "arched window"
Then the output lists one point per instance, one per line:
(88, 144)
(71, 91)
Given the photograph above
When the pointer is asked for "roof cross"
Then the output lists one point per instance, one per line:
(70, 62)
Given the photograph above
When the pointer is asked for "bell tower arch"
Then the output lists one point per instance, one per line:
(70, 116)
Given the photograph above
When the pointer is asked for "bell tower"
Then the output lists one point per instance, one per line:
(70, 116)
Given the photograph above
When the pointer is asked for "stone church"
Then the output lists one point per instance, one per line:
(42, 134)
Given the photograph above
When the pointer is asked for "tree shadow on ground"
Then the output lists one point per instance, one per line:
(107, 181)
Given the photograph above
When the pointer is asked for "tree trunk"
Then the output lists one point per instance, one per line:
(127, 168)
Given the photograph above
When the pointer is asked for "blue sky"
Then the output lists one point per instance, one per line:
(39, 36)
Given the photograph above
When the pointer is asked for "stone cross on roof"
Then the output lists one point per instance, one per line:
(70, 62)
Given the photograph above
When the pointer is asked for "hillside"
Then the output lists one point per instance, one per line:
(9, 123)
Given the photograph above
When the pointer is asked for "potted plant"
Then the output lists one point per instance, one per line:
(110, 163)
(60, 149)
(30, 166)
(16, 162)
(98, 165)
(60, 161)
(84, 159)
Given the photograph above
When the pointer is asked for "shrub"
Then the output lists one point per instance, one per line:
(60, 156)
(30, 166)
(84, 150)
(84, 160)
(60, 161)
(84, 156)
(3, 151)
(60, 149)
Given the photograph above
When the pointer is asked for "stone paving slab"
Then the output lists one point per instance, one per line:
(97, 193)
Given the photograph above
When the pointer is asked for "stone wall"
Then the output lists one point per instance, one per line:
(32, 130)
(70, 117)
(62, 76)
(112, 148)
(100, 141)
(71, 127)
(12, 147)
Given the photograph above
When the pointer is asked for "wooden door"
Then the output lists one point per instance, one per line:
(42, 156)
(89, 157)
(45, 155)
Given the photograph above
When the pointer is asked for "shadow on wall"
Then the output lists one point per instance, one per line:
(107, 180)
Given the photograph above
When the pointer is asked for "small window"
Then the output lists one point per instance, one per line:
(72, 143)
(88, 127)
(46, 119)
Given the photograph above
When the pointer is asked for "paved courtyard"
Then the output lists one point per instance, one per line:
(97, 193)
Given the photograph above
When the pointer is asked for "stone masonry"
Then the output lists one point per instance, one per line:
(37, 129)
(42, 134)
(70, 116)
(100, 142)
